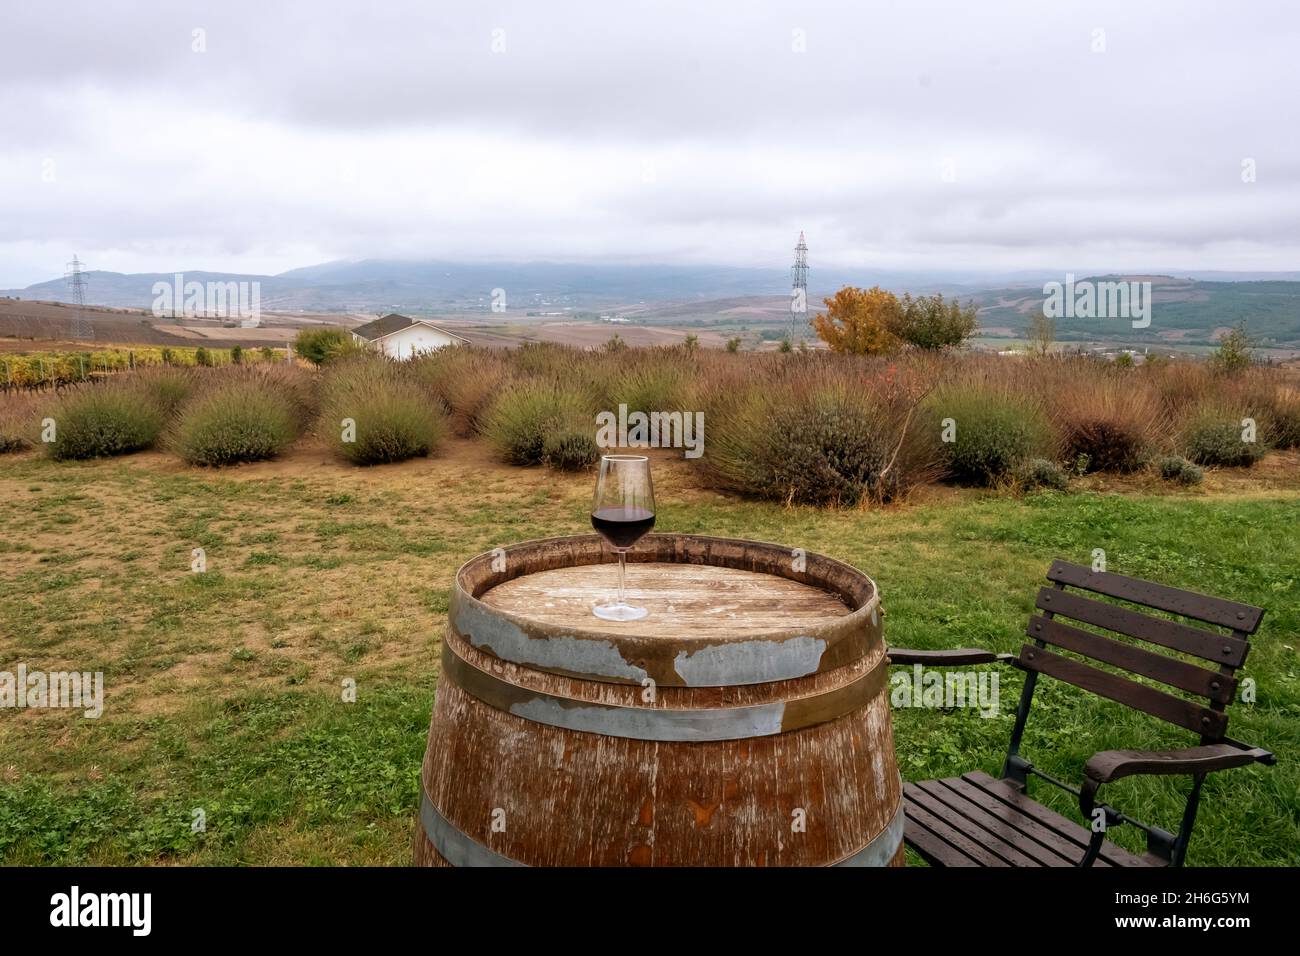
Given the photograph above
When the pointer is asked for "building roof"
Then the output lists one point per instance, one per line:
(393, 322)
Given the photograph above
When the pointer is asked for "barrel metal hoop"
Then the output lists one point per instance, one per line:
(881, 848)
(454, 845)
(645, 723)
(459, 849)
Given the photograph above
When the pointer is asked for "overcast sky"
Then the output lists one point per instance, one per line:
(944, 135)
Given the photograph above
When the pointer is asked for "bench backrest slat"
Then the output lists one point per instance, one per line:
(1136, 660)
(1211, 724)
(1199, 642)
(1212, 610)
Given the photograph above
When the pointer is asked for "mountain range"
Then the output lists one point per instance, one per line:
(377, 285)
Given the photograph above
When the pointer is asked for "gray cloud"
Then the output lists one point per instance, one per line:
(917, 135)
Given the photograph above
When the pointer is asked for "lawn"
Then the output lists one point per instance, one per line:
(224, 688)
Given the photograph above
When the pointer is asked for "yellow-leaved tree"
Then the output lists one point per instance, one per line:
(858, 321)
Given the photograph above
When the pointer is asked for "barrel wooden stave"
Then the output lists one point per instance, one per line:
(573, 799)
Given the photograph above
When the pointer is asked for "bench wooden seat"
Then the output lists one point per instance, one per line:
(976, 820)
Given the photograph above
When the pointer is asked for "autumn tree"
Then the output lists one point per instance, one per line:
(858, 321)
(932, 323)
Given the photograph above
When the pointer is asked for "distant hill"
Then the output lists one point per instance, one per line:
(376, 285)
(1187, 310)
(1184, 312)
(385, 285)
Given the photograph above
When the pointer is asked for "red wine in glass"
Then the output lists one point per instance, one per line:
(623, 511)
(622, 525)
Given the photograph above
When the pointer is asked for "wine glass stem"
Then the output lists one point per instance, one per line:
(622, 561)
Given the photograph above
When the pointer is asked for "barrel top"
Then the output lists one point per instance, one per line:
(691, 601)
(723, 612)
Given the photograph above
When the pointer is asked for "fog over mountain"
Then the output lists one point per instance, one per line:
(375, 285)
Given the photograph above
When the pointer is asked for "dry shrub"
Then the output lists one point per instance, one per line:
(1274, 403)
(1181, 384)
(168, 387)
(820, 430)
(298, 386)
(466, 380)
(19, 421)
(1106, 419)
(544, 359)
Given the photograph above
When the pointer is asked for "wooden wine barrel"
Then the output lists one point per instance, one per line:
(743, 722)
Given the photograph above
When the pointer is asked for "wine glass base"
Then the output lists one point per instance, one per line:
(619, 612)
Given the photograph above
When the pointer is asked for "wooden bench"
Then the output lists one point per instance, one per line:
(975, 820)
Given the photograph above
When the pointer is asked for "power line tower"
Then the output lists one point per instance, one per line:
(81, 327)
(799, 291)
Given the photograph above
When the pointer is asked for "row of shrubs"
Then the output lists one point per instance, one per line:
(807, 427)
(828, 430)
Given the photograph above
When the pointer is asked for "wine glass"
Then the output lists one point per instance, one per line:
(623, 511)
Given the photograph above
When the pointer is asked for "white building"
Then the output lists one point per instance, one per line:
(401, 337)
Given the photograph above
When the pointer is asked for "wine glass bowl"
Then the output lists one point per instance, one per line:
(622, 512)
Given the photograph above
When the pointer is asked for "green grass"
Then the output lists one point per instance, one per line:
(223, 690)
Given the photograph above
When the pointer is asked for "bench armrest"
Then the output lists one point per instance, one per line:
(947, 658)
(1115, 764)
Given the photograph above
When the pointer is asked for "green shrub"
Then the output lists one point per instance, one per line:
(993, 431)
(653, 384)
(374, 413)
(929, 322)
(97, 421)
(201, 357)
(321, 345)
(236, 355)
(1215, 436)
(1179, 469)
(568, 450)
(1041, 473)
(1234, 353)
(241, 419)
(519, 422)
